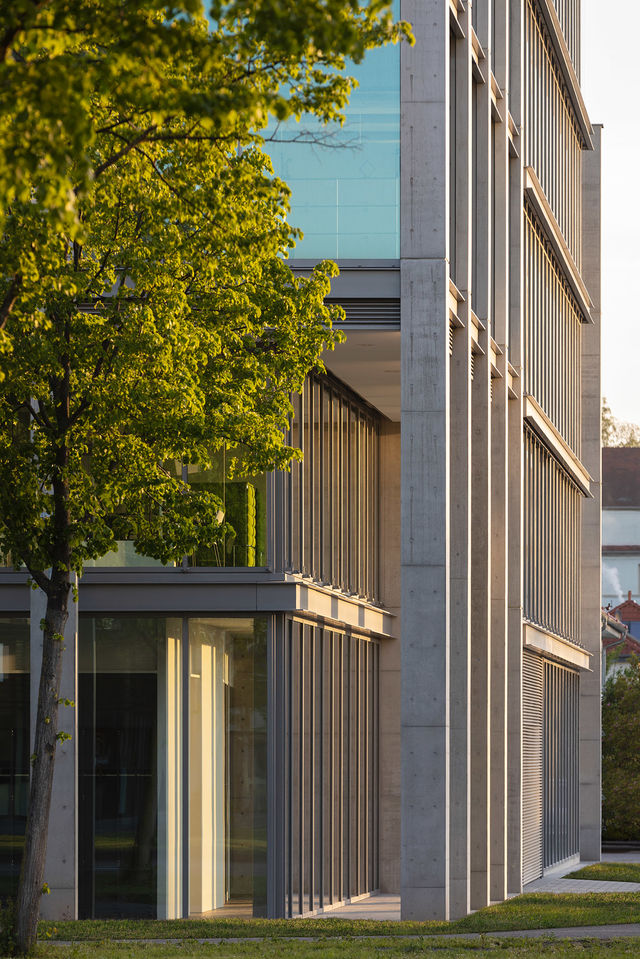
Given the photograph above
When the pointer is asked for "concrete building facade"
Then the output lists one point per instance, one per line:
(389, 678)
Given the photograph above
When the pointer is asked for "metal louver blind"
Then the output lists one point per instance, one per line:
(561, 820)
(532, 765)
(370, 312)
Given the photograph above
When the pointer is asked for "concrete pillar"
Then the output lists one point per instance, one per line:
(460, 622)
(499, 475)
(61, 869)
(481, 502)
(425, 462)
(390, 692)
(460, 502)
(515, 463)
(590, 683)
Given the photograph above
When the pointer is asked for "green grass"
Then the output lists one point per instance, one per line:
(387, 948)
(609, 872)
(533, 911)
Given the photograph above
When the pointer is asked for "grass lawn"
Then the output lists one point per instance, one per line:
(609, 872)
(534, 911)
(350, 949)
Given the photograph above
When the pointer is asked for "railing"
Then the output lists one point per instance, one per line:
(553, 331)
(552, 140)
(552, 516)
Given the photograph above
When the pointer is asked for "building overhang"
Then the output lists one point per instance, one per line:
(544, 214)
(540, 423)
(556, 647)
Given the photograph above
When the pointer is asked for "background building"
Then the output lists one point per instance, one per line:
(404, 625)
(620, 524)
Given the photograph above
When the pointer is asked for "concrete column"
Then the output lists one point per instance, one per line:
(460, 621)
(425, 462)
(590, 683)
(499, 481)
(515, 102)
(460, 501)
(390, 686)
(61, 868)
(481, 509)
(480, 631)
(498, 672)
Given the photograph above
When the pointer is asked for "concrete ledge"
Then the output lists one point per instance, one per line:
(536, 196)
(536, 417)
(556, 647)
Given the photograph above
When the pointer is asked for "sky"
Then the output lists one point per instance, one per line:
(610, 83)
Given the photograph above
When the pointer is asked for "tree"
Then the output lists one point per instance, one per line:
(86, 78)
(148, 315)
(617, 432)
(620, 754)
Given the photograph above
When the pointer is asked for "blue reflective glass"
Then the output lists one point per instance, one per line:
(345, 185)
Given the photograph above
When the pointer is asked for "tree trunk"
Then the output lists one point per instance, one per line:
(42, 761)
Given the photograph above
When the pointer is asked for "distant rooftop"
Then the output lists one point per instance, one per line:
(621, 477)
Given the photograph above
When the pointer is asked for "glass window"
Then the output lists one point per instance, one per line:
(245, 508)
(327, 765)
(334, 522)
(228, 765)
(121, 666)
(14, 748)
(135, 708)
(345, 183)
(244, 501)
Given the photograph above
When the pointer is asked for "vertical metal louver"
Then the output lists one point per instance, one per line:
(532, 765)
(561, 821)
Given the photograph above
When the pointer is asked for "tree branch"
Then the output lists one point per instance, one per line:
(131, 145)
(9, 299)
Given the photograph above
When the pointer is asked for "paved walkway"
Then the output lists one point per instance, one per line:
(388, 907)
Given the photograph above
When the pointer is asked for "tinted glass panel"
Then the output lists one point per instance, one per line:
(345, 183)
(14, 748)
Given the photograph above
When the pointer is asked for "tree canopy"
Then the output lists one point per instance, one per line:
(620, 754)
(143, 289)
(148, 317)
(84, 82)
(617, 432)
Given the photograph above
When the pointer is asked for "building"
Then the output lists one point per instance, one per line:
(620, 524)
(618, 642)
(403, 626)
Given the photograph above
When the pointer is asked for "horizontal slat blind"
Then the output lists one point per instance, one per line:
(367, 312)
(532, 793)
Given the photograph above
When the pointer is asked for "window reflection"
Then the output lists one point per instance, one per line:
(244, 502)
(331, 498)
(345, 182)
(137, 829)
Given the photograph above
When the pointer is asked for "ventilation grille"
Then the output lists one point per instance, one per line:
(473, 364)
(532, 731)
(378, 313)
(451, 332)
